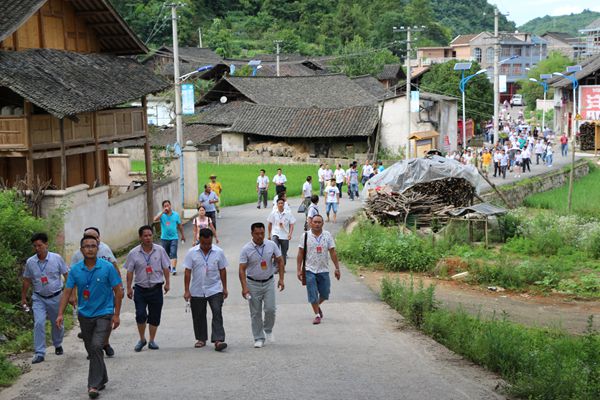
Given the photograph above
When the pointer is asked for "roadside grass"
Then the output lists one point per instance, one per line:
(537, 363)
(17, 326)
(586, 191)
(239, 180)
(525, 263)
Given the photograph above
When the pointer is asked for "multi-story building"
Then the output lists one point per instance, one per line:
(565, 44)
(591, 39)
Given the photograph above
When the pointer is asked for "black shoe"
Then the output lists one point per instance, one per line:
(220, 346)
(58, 351)
(109, 350)
(37, 359)
(80, 335)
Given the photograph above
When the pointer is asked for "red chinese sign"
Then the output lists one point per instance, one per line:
(589, 102)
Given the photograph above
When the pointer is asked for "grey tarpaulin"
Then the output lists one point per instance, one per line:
(485, 209)
(403, 175)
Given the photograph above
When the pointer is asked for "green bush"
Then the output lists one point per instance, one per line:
(8, 371)
(413, 304)
(538, 363)
(372, 245)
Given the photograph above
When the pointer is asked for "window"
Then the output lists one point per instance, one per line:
(504, 69)
(489, 55)
(505, 52)
(517, 69)
(477, 54)
(517, 51)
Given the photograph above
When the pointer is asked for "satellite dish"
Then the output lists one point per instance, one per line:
(223, 99)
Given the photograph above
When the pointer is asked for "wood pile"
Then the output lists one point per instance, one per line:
(587, 136)
(421, 204)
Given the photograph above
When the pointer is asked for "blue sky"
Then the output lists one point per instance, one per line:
(522, 11)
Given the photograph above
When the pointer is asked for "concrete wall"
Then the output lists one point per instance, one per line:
(394, 123)
(517, 192)
(232, 141)
(120, 168)
(118, 218)
(541, 105)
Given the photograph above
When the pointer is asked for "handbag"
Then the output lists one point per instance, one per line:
(303, 276)
(302, 208)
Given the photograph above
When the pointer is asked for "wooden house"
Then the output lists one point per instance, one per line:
(64, 90)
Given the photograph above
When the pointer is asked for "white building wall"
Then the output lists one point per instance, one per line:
(231, 141)
(118, 218)
(394, 124)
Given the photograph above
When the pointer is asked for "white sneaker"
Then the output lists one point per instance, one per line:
(271, 337)
(258, 344)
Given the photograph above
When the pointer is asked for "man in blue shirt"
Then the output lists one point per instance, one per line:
(44, 272)
(209, 199)
(170, 225)
(99, 293)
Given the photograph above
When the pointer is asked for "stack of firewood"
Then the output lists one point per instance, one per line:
(587, 136)
(421, 204)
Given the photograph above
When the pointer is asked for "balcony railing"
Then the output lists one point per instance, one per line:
(110, 125)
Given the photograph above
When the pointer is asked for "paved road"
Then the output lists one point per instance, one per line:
(361, 350)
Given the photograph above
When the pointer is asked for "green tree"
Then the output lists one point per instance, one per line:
(357, 58)
(531, 91)
(442, 79)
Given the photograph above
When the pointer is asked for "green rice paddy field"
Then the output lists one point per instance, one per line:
(239, 180)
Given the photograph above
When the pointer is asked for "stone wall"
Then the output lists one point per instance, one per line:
(517, 192)
(251, 157)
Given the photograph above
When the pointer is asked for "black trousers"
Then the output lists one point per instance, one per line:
(198, 305)
(95, 331)
(148, 304)
(213, 217)
(284, 245)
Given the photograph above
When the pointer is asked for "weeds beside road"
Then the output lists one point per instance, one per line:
(538, 363)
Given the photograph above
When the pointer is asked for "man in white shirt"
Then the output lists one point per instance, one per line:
(262, 188)
(327, 173)
(205, 282)
(280, 228)
(319, 247)
(367, 170)
(340, 176)
(307, 192)
(321, 179)
(279, 180)
(332, 198)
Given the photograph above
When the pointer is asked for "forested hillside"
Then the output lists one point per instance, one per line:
(564, 23)
(311, 27)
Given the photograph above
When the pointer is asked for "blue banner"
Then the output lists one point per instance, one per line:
(187, 99)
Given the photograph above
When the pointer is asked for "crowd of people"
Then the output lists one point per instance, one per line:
(516, 148)
(92, 283)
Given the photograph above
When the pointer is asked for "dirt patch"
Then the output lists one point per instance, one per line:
(532, 310)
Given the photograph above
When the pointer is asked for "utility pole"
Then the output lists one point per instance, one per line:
(496, 134)
(408, 31)
(277, 43)
(178, 121)
(408, 90)
(200, 37)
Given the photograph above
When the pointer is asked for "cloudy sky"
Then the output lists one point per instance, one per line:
(522, 11)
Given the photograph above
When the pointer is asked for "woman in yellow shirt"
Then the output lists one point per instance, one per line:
(217, 188)
(486, 161)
